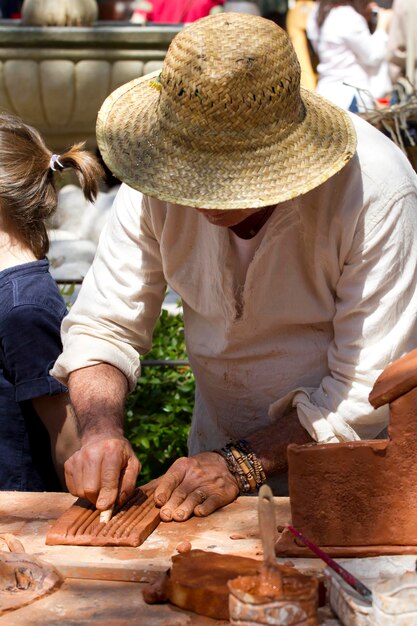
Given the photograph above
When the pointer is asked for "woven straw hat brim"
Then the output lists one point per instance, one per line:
(140, 152)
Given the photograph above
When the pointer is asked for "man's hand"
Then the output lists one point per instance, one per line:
(198, 484)
(105, 468)
(103, 471)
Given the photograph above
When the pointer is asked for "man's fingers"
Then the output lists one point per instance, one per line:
(69, 477)
(187, 507)
(74, 475)
(112, 465)
(170, 481)
(152, 484)
(177, 498)
(91, 472)
(199, 484)
(106, 498)
(212, 503)
(128, 478)
(99, 470)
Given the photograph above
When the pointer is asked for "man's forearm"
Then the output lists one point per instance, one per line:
(270, 443)
(98, 396)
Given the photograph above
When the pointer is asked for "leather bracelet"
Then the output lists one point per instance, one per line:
(245, 466)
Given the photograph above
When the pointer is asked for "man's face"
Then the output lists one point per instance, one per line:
(227, 219)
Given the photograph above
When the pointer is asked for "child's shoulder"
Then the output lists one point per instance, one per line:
(28, 287)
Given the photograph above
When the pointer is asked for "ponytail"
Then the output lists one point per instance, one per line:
(85, 165)
(28, 195)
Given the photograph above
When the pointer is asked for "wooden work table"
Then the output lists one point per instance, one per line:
(103, 585)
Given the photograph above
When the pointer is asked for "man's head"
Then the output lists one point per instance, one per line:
(225, 124)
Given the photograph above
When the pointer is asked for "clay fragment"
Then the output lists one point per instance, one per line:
(130, 525)
(156, 592)
(395, 381)
(24, 579)
(184, 546)
(12, 543)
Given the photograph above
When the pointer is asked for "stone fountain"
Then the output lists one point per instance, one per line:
(58, 64)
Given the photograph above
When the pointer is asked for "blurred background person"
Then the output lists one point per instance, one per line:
(10, 9)
(296, 25)
(350, 56)
(402, 42)
(173, 11)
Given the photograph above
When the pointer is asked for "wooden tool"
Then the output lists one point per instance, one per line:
(105, 516)
(270, 576)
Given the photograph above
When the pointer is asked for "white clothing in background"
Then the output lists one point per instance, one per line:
(329, 299)
(403, 14)
(241, 6)
(348, 53)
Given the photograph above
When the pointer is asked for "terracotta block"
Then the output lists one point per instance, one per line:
(197, 582)
(130, 525)
(363, 493)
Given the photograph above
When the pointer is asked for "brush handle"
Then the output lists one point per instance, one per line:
(351, 580)
(267, 525)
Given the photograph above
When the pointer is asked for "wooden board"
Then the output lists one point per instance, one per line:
(101, 603)
(83, 602)
(97, 577)
(130, 525)
(231, 530)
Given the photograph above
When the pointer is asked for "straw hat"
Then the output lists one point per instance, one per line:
(225, 125)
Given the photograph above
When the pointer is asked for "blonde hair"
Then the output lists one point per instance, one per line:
(28, 196)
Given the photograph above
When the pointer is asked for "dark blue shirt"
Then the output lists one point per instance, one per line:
(31, 311)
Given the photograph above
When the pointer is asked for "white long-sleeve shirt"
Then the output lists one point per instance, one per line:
(348, 53)
(329, 299)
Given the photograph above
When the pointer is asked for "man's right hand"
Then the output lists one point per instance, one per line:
(103, 471)
(105, 468)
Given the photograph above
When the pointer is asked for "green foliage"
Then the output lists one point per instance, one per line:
(67, 290)
(159, 410)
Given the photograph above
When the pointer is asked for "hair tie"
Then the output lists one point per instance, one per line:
(55, 161)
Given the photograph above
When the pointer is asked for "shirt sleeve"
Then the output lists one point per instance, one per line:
(369, 49)
(374, 324)
(113, 318)
(30, 344)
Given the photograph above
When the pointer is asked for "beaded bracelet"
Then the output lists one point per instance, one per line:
(245, 466)
(260, 476)
(235, 469)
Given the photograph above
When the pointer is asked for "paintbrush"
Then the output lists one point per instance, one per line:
(347, 576)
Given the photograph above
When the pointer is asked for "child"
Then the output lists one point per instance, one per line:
(37, 427)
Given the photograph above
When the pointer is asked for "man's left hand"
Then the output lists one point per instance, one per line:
(196, 485)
